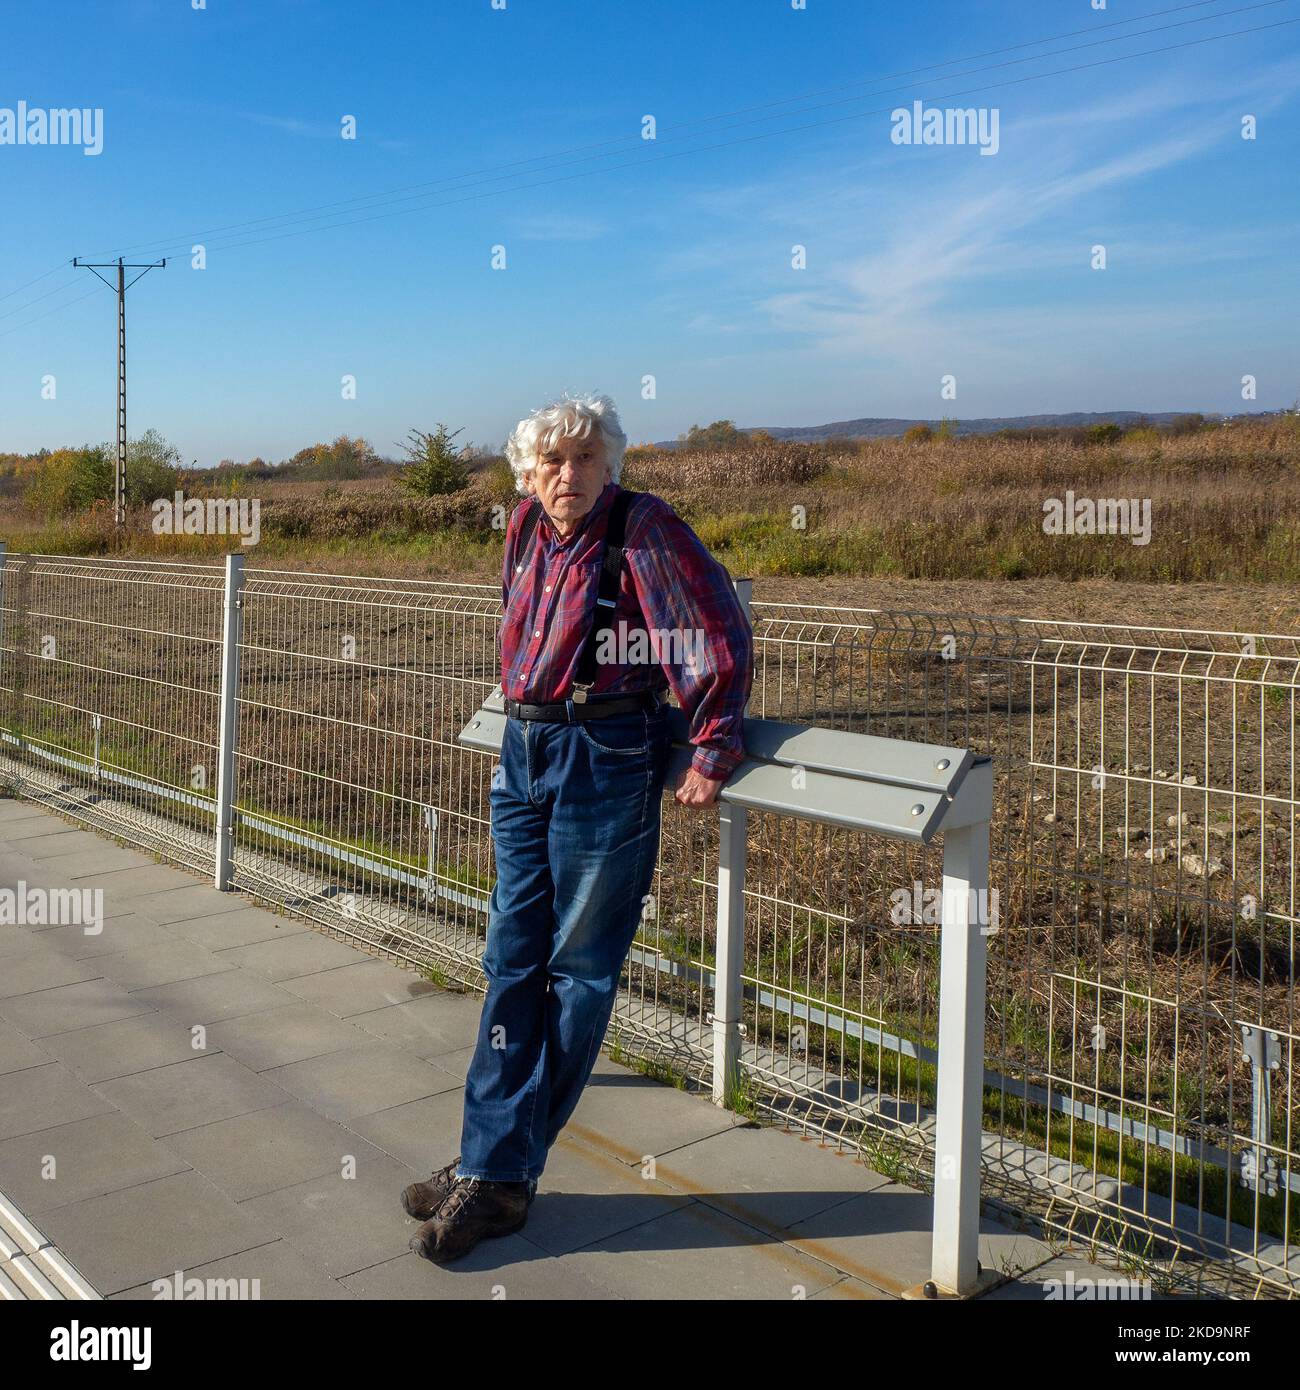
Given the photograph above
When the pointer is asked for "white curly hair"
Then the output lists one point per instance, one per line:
(572, 417)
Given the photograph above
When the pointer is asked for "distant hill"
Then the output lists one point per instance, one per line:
(872, 427)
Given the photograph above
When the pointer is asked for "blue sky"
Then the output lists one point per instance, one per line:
(671, 258)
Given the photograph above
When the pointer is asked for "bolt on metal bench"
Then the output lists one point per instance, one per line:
(906, 791)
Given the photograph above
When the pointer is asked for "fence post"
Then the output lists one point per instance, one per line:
(963, 952)
(231, 627)
(15, 578)
(4, 552)
(729, 946)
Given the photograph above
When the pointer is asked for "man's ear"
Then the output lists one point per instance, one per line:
(530, 487)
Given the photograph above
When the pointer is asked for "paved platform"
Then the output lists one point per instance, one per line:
(208, 1091)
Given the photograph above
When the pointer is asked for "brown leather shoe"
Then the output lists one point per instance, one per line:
(473, 1210)
(422, 1199)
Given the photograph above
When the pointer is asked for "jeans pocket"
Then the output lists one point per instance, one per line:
(625, 734)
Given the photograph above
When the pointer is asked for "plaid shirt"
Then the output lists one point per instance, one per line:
(677, 623)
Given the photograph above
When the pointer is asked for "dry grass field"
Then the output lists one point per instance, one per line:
(939, 525)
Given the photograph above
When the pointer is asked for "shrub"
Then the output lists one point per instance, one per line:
(436, 468)
(151, 468)
(342, 461)
(1105, 433)
(721, 434)
(499, 479)
(69, 480)
(918, 434)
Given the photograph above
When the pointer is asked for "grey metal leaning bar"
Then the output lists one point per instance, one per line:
(909, 792)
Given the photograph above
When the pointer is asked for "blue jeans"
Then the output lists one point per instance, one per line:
(575, 825)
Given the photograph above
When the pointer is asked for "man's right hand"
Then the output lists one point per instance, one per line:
(695, 791)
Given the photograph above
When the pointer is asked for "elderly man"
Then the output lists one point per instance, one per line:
(610, 601)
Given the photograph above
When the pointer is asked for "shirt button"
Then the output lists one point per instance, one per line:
(537, 634)
(548, 588)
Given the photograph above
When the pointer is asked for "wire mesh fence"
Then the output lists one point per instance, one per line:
(1141, 1031)
(110, 692)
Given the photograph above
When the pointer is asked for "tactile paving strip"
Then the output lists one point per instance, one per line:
(30, 1267)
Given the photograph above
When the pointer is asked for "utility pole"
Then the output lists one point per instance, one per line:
(121, 266)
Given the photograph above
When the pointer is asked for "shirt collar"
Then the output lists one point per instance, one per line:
(601, 504)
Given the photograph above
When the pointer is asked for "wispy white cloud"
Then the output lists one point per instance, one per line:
(551, 226)
(894, 263)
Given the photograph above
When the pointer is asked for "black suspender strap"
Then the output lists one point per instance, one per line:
(532, 513)
(611, 570)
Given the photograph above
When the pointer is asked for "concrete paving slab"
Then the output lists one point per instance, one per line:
(341, 1225)
(586, 1196)
(258, 1152)
(423, 1134)
(122, 886)
(305, 953)
(39, 1098)
(57, 843)
(640, 1117)
(188, 900)
(93, 863)
(16, 942)
(160, 964)
(13, 865)
(102, 1153)
(277, 1037)
(361, 988)
(211, 998)
(222, 930)
(116, 934)
(855, 1289)
(508, 1267)
(22, 833)
(17, 1051)
(360, 1080)
(429, 1026)
(165, 1100)
(127, 1238)
(453, 1063)
(697, 1252)
(17, 868)
(11, 809)
(42, 968)
(767, 1178)
(128, 1045)
(81, 1005)
(884, 1239)
(268, 1272)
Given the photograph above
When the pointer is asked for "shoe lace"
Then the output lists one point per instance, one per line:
(458, 1201)
(449, 1171)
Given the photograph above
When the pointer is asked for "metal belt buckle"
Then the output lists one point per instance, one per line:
(579, 696)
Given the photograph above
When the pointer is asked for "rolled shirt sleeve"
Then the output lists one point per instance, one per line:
(706, 641)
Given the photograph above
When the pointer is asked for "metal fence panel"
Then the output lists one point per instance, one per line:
(1141, 1034)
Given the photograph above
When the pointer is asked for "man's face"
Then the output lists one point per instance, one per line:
(569, 478)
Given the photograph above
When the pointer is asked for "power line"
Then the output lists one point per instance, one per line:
(58, 289)
(650, 159)
(495, 173)
(45, 276)
(750, 139)
(58, 308)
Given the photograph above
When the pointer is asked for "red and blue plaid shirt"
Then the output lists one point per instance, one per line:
(678, 623)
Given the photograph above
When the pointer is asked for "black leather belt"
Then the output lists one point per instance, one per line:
(599, 707)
